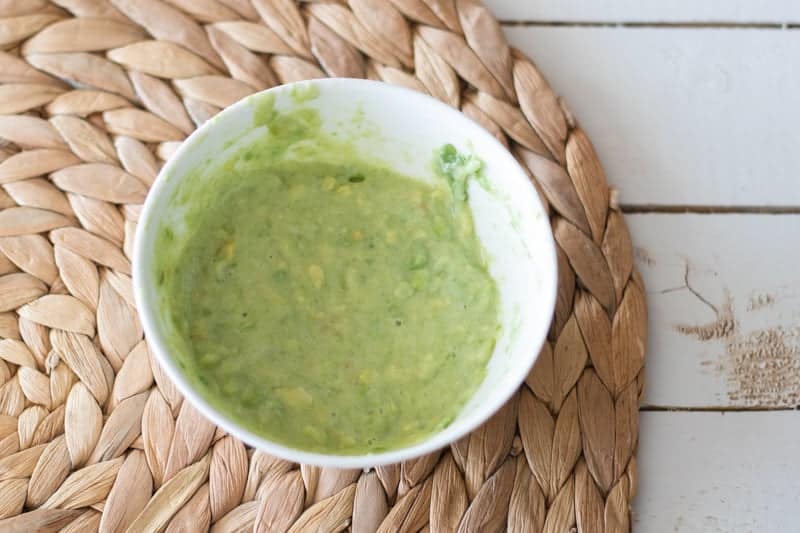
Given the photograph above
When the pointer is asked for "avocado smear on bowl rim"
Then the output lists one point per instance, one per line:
(324, 300)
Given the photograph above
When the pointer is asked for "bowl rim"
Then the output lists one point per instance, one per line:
(148, 218)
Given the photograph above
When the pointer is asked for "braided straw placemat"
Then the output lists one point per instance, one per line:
(95, 95)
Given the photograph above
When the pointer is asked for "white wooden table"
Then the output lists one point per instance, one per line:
(694, 107)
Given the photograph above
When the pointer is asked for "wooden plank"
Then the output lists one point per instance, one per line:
(718, 472)
(681, 116)
(676, 11)
(731, 338)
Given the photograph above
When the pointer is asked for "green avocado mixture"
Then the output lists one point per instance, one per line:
(325, 301)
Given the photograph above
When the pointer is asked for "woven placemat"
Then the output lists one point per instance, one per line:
(95, 95)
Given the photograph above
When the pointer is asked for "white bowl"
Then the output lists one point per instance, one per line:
(404, 128)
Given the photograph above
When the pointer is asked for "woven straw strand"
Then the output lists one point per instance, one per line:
(94, 96)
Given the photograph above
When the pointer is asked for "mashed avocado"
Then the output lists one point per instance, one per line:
(326, 301)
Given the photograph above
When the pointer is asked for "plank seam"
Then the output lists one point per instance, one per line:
(635, 209)
(656, 25)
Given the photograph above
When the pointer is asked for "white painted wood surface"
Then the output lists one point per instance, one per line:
(682, 116)
(718, 472)
(648, 11)
(741, 346)
(695, 104)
